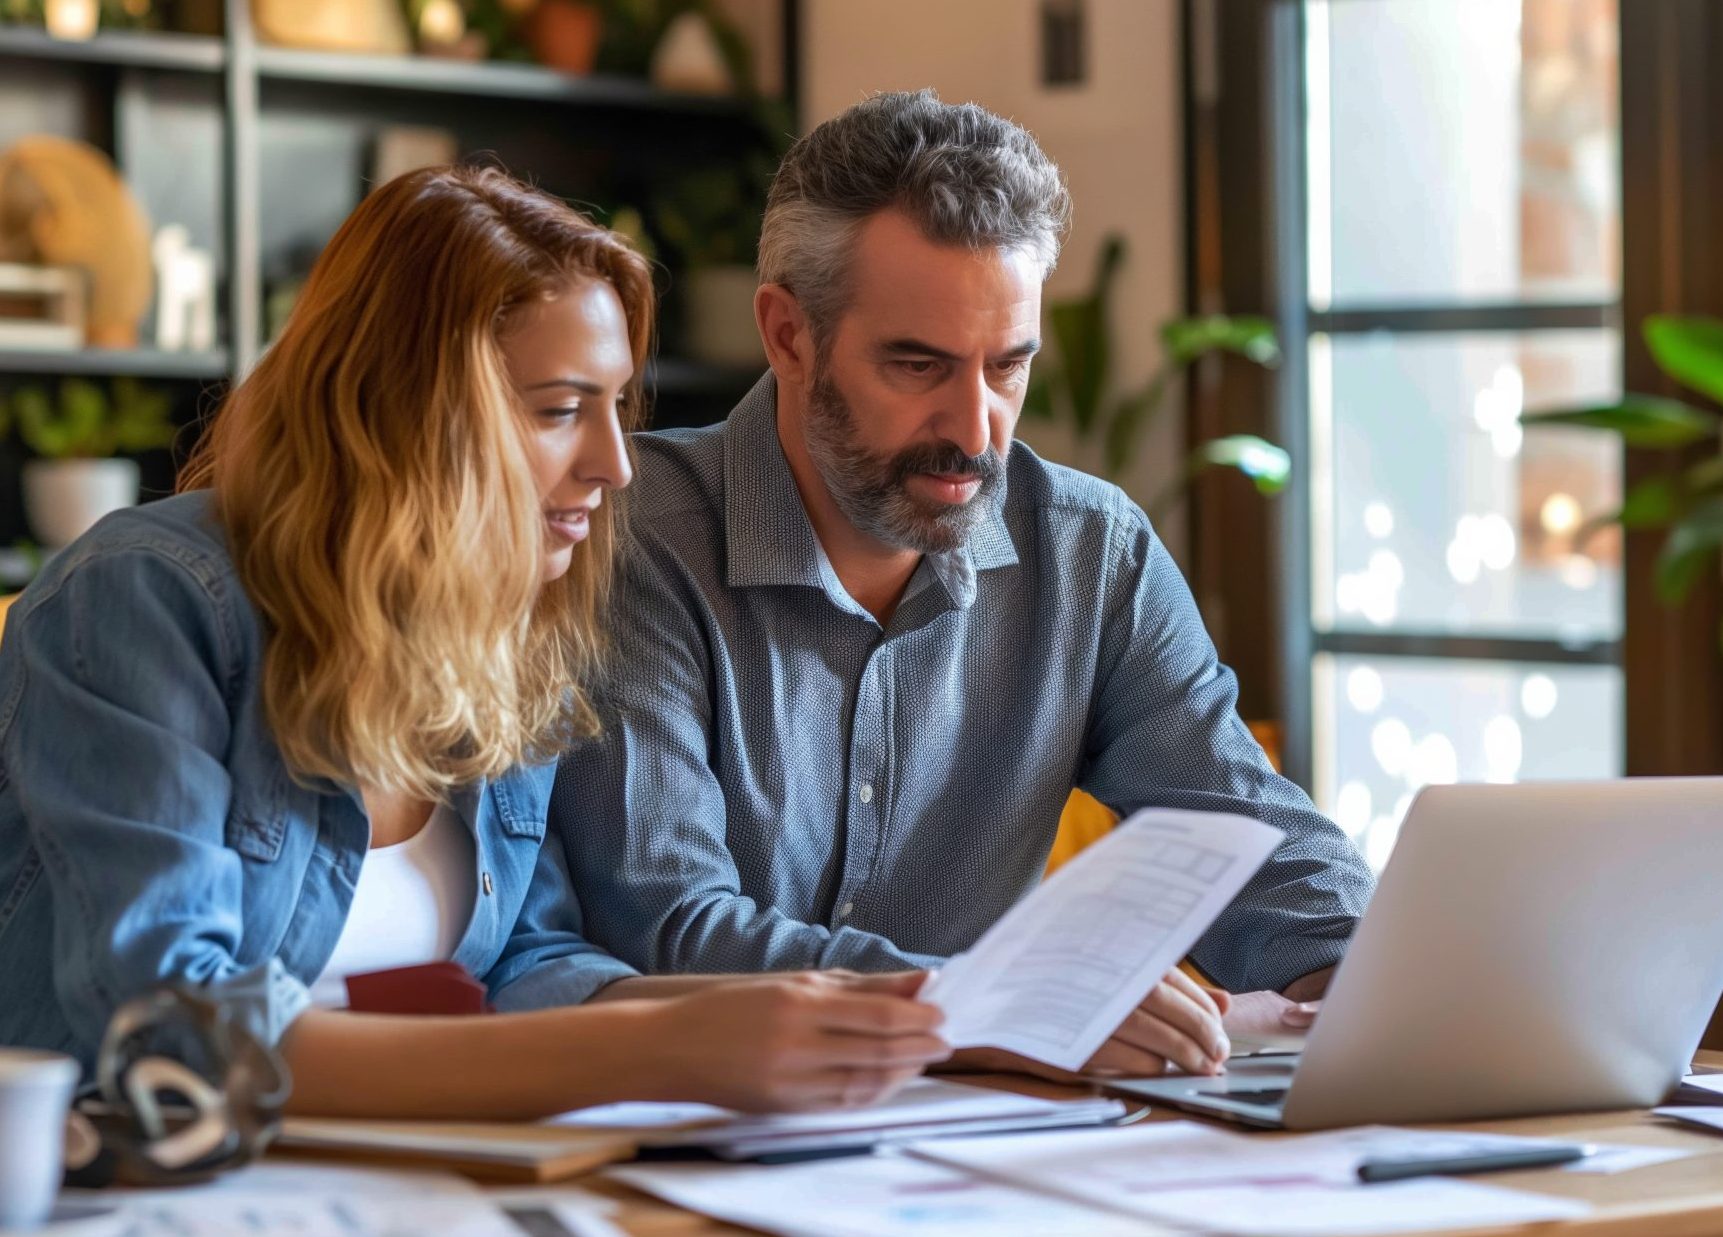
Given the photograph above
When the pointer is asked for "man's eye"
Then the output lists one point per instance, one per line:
(918, 369)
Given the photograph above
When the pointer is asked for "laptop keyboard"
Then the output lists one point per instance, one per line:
(1268, 1095)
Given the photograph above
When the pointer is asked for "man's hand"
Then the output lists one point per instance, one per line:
(1311, 987)
(1267, 1019)
(1179, 1023)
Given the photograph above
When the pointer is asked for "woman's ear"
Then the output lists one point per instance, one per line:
(784, 329)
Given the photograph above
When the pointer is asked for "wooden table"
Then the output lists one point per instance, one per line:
(1681, 1198)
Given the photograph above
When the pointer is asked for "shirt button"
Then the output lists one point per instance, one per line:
(486, 882)
(866, 792)
(845, 909)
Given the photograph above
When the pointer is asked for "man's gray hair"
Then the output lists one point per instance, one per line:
(963, 175)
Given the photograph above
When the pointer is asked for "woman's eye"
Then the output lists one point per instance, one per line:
(562, 412)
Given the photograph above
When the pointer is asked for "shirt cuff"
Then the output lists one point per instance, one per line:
(563, 981)
(1291, 958)
(264, 1000)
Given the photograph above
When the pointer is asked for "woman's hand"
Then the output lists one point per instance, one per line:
(798, 1041)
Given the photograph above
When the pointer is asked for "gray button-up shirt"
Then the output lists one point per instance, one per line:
(783, 783)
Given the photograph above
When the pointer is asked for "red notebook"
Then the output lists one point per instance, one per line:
(433, 988)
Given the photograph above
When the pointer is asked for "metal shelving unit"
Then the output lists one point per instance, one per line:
(482, 79)
(191, 53)
(260, 151)
(119, 362)
(243, 78)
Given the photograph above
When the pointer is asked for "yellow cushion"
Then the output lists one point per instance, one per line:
(1086, 818)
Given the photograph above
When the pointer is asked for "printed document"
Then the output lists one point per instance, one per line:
(1185, 1173)
(877, 1196)
(1055, 977)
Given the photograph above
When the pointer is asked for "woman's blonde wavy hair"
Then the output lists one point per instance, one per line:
(374, 483)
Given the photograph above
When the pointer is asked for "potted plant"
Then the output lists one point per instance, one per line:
(709, 218)
(77, 478)
(1686, 499)
(1072, 383)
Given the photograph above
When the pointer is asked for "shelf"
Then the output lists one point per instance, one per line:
(117, 362)
(194, 53)
(481, 78)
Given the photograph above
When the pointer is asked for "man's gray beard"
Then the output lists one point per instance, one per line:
(871, 490)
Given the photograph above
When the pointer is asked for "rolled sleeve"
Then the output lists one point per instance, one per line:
(1165, 732)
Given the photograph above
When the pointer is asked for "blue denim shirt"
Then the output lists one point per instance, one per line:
(783, 782)
(150, 829)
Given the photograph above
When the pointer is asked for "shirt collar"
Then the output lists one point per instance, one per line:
(769, 539)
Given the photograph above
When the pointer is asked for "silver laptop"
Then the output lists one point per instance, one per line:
(1539, 948)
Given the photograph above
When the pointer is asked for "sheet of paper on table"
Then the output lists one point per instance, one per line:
(281, 1197)
(1058, 973)
(1182, 1172)
(1700, 1086)
(926, 1107)
(873, 1196)
(1175, 1155)
(1704, 1118)
(1424, 1205)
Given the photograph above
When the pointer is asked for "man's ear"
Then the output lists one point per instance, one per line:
(784, 328)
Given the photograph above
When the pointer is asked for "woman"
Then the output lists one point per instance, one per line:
(297, 722)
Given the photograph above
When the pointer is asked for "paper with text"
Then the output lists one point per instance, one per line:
(879, 1196)
(1055, 977)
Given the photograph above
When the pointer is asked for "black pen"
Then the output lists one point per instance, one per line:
(1473, 1162)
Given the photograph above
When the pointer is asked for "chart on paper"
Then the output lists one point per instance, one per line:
(1056, 975)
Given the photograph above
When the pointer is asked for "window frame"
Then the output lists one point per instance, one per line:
(1299, 322)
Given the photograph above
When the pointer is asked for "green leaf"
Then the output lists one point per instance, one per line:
(1079, 330)
(1130, 418)
(1038, 399)
(1689, 350)
(1269, 467)
(1705, 477)
(1691, 545)
(1641, 420)
(37, 424)
(1650, 504)
(1253, 338)
(84, 415)
(141, 421)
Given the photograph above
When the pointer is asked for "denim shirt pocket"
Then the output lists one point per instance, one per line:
(521, 810)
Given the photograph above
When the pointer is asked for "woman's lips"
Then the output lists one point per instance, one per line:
(571, 525)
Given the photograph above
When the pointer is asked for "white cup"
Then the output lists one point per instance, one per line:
(35, 1092)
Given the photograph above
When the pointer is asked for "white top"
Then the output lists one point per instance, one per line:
(411, 906)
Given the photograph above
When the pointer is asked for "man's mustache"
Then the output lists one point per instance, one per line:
(947, 460)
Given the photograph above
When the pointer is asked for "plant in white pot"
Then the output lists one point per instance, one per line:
(710, 220)
(80, 440)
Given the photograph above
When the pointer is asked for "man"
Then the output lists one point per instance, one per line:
(867, 643)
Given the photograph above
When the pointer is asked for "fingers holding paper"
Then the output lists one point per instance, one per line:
(1179, 1023)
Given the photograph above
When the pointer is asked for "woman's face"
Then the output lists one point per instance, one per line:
(569, 359)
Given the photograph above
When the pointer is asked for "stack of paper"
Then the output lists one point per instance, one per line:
(926, 1108)
(1698, 1101)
